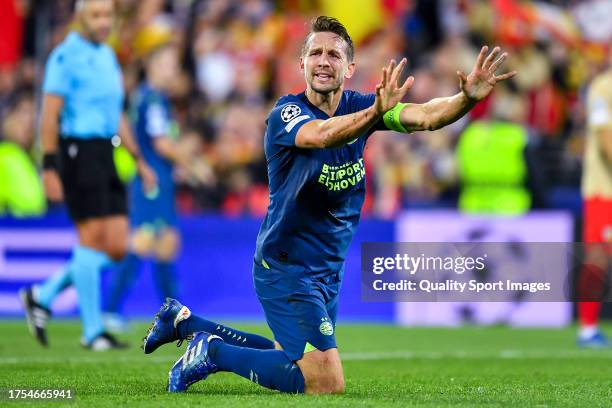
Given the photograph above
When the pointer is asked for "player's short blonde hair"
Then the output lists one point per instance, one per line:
(330, 24)
(78, 6)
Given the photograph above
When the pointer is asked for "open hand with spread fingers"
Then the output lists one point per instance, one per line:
(480, 82)
(389, 92)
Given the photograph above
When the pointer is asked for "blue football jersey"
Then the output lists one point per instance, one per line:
(316, 195)
(151, 118)
(88, 78)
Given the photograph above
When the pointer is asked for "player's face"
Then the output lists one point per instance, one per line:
(97, 19)
(324, 63)
(166, 66)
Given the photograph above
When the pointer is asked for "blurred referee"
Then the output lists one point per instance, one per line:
(82, 103)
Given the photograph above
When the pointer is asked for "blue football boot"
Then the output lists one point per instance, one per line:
(163, 329)
(596, 341)
(194, 365)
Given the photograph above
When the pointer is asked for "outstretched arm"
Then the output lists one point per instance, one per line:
(476, 86)
(335, 131)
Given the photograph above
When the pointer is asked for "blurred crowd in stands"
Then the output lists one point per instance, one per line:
(238, 57)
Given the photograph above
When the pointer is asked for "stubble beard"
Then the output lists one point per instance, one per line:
(325, 89)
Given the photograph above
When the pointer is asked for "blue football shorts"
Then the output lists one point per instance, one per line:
(156, 212)
(300, 309)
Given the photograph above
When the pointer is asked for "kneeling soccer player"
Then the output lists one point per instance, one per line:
(314, 146)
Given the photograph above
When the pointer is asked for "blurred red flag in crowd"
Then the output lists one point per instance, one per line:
(11, 31)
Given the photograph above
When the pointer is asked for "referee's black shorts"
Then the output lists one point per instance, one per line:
(92, 188)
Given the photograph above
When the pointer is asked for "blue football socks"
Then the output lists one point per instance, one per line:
(85, 268)
(230, 336)
(166, 280)
(49, 289)
(121, 282)
(269, 368)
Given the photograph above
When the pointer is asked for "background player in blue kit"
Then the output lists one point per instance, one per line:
(314, 146)
(153, 217)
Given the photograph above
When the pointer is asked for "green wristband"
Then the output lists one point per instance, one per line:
(392, 118)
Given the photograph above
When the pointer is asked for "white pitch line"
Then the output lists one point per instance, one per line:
(348, 356)
(504, 354)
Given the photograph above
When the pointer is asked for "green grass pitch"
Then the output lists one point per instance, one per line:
(384, 366)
